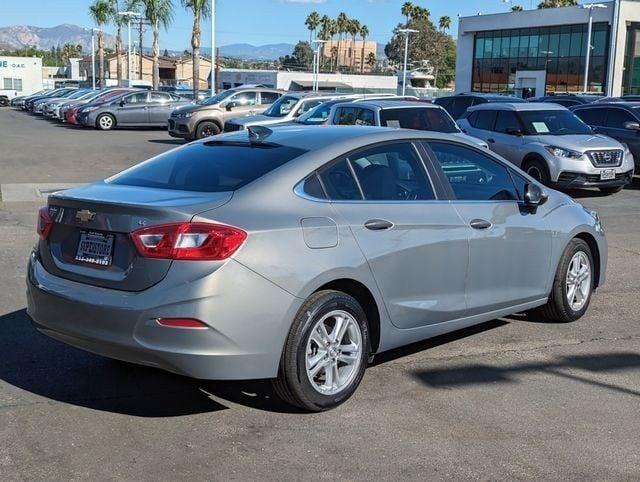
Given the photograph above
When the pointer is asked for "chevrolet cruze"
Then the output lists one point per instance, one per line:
(296, 254)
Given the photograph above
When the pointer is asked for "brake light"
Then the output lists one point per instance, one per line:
(181, 323)
(45, 223)
(188, 241)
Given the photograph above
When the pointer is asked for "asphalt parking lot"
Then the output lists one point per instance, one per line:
(514, 398)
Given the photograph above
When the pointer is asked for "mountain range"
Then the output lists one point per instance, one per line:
(19, 36)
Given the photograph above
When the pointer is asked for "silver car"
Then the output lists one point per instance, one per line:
(297, 254)
(551, 144)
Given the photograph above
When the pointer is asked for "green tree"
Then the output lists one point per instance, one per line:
(200, 9)
(342, 22)
(371, 61)
(516, 8)
(99, 12)
(157, 12)
(312, 22)
(353, 28)
(444, 23)
(364, 31)
(557, 3)
(407, 10)
(300, 59)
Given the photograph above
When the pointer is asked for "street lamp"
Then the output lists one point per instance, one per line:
(316, 63)
(406, 32)
(589, 7)
(213, 47)
(93, 57)
(128, 15)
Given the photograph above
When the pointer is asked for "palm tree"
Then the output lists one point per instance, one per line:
(157, 12)
(353, 27)
(364, 31)
(201, 9)
(312, 22)
(99, 12)
(371, 60)
(341, 27)
(420, 12)
(445, 23)
(407, 10)
(325, 32)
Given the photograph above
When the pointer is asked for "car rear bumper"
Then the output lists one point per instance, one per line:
(569, 180)
(247, 319)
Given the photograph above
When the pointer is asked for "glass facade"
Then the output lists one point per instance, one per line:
(559, 50)
(631, 80)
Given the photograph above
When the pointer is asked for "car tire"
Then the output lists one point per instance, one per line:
(105, 122)
(4, 102)
(611, 190)
(538, 170)
(575, 270)
(316, 372)
(207, 129)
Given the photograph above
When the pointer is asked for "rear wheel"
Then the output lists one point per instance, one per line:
(326, 352)
(572, 285)
(611, 190)
(207, 129)
(538, 170)
(4, 102)
(105, 122)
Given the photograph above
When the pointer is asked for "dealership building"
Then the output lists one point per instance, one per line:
(20, 75)
(531, 52)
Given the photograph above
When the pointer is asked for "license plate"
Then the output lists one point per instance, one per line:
(95, 248)
(607, 174)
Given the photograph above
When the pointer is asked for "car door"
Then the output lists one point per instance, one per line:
(506, 138)
(241, 104)
(415, 244)
(509, 246)
(614, 126)
(160, 108)
(132, 109)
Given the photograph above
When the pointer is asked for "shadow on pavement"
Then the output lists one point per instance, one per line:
(35, 363)
(564, 367)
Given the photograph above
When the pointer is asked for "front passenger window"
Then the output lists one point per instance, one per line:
(474, 176)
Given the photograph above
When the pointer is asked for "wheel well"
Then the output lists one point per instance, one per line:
(534, 157)
(213, 121)
(364, 297)
(595, 253)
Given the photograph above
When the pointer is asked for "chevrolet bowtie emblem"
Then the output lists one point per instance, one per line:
(85, 215)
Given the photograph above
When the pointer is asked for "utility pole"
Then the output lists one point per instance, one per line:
(141, 23)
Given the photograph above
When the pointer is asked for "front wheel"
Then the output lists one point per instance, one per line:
(207, 129)
(326, 352)
(538, 170)
(572, 284)
(105, 122)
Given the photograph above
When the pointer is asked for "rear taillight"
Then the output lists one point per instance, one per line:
(188, 241)
(45, 223)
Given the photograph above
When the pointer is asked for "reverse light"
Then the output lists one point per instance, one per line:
(188, 241)
(182, 323)
(45, 223)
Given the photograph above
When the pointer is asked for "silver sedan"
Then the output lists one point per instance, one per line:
(297, 254)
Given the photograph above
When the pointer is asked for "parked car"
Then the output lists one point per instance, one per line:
(398, 114)
(19, 100)
(50, 105)
(286, 109)
(38, 105)
(567, 100)
(456, 105)
(620, 120)
(141, 108)
(29, 103)
(296, 254)
(551, 144)
(70, 112)
(207, 118)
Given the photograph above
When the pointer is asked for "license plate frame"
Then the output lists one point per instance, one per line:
(607, 174)
(95, 248)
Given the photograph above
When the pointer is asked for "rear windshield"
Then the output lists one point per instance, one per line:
(212, 166)
(421, 118)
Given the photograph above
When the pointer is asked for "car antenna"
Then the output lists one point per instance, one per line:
(258, 133)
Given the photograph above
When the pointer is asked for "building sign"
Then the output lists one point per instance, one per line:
(6, 64)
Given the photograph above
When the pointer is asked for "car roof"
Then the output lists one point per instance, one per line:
(315, 95)
(483, 95)
(391, 104)
(628, 104)
(517, 106)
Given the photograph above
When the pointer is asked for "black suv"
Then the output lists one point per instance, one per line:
(456, 105)
(620, 120)
(567, 100)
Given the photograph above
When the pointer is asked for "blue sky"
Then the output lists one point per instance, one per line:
(255, 22)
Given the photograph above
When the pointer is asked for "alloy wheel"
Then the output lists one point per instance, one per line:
(578, 281)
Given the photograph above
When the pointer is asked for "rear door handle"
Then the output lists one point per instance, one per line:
(479, 224)
(378, 224)
(492, 141)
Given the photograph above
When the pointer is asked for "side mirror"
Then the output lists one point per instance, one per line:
(534, 196)
(512, 131)
(121, 103)
(229, 106)
(632, 126)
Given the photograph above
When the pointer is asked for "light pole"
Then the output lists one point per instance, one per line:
(589, 7)
(93, 59)
(128, 15)
(406, 32)
(213, 47)
(316, 63)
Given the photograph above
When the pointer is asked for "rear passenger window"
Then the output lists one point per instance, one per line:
(483, 119)
(617, 118)
(391, 173)
(268, 97)
(507, 122)
(474, 176)
(339, 182)
(313, 187)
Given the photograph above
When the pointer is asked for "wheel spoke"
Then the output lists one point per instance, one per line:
(315, 360)
(343, 328)
(349, 359)
(571, 292)
(316, 337)
(319, 366)
(328, 376)
(339, 326)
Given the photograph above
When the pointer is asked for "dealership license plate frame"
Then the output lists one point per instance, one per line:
(99, 253)
(607, 174)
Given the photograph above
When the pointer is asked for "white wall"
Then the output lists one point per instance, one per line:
(28, 69)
